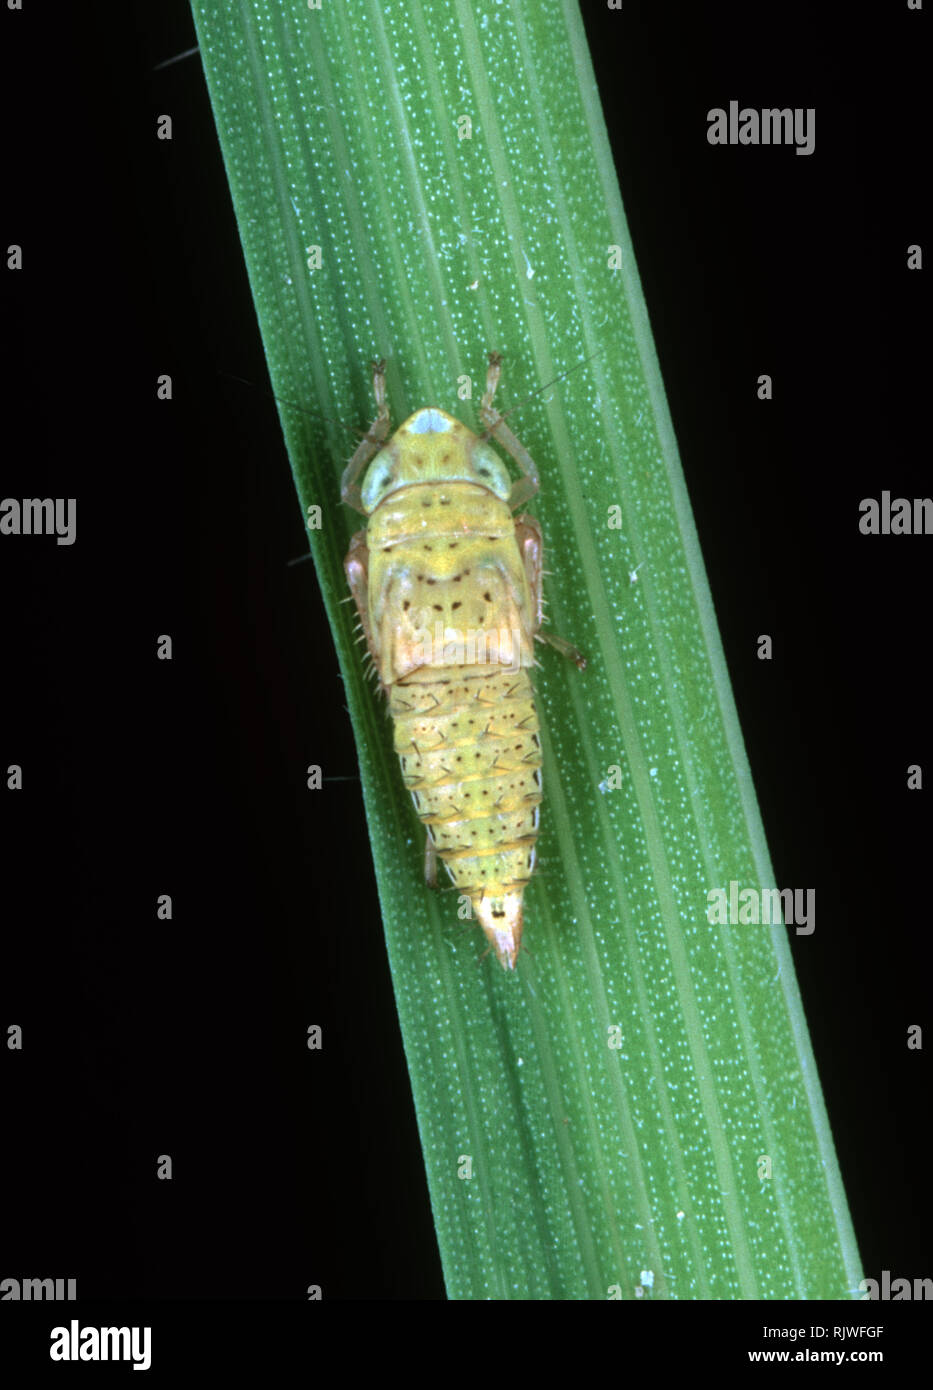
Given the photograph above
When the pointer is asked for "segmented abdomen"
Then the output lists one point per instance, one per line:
(471, 756)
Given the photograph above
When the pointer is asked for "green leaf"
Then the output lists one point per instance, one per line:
(635, 1111)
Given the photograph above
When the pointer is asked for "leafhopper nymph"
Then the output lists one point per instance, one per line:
(447, 583)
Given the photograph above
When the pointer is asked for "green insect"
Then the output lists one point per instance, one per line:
(447, 583)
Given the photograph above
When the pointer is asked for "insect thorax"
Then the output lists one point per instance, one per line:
(447, 586)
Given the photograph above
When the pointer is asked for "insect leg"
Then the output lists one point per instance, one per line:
(526, 486)
(531, 548)
(565, 648)
(369, 445)
(430, 862)
(528, 535)
(356, 567)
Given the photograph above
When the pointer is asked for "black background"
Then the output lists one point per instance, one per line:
(187, 777)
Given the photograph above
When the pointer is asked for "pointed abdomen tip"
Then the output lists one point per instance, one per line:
(500, 916)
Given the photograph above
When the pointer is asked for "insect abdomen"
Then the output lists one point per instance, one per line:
(470, 750)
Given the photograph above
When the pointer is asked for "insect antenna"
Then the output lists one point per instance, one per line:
(167, 62)
(504, 414)
(282, 400)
